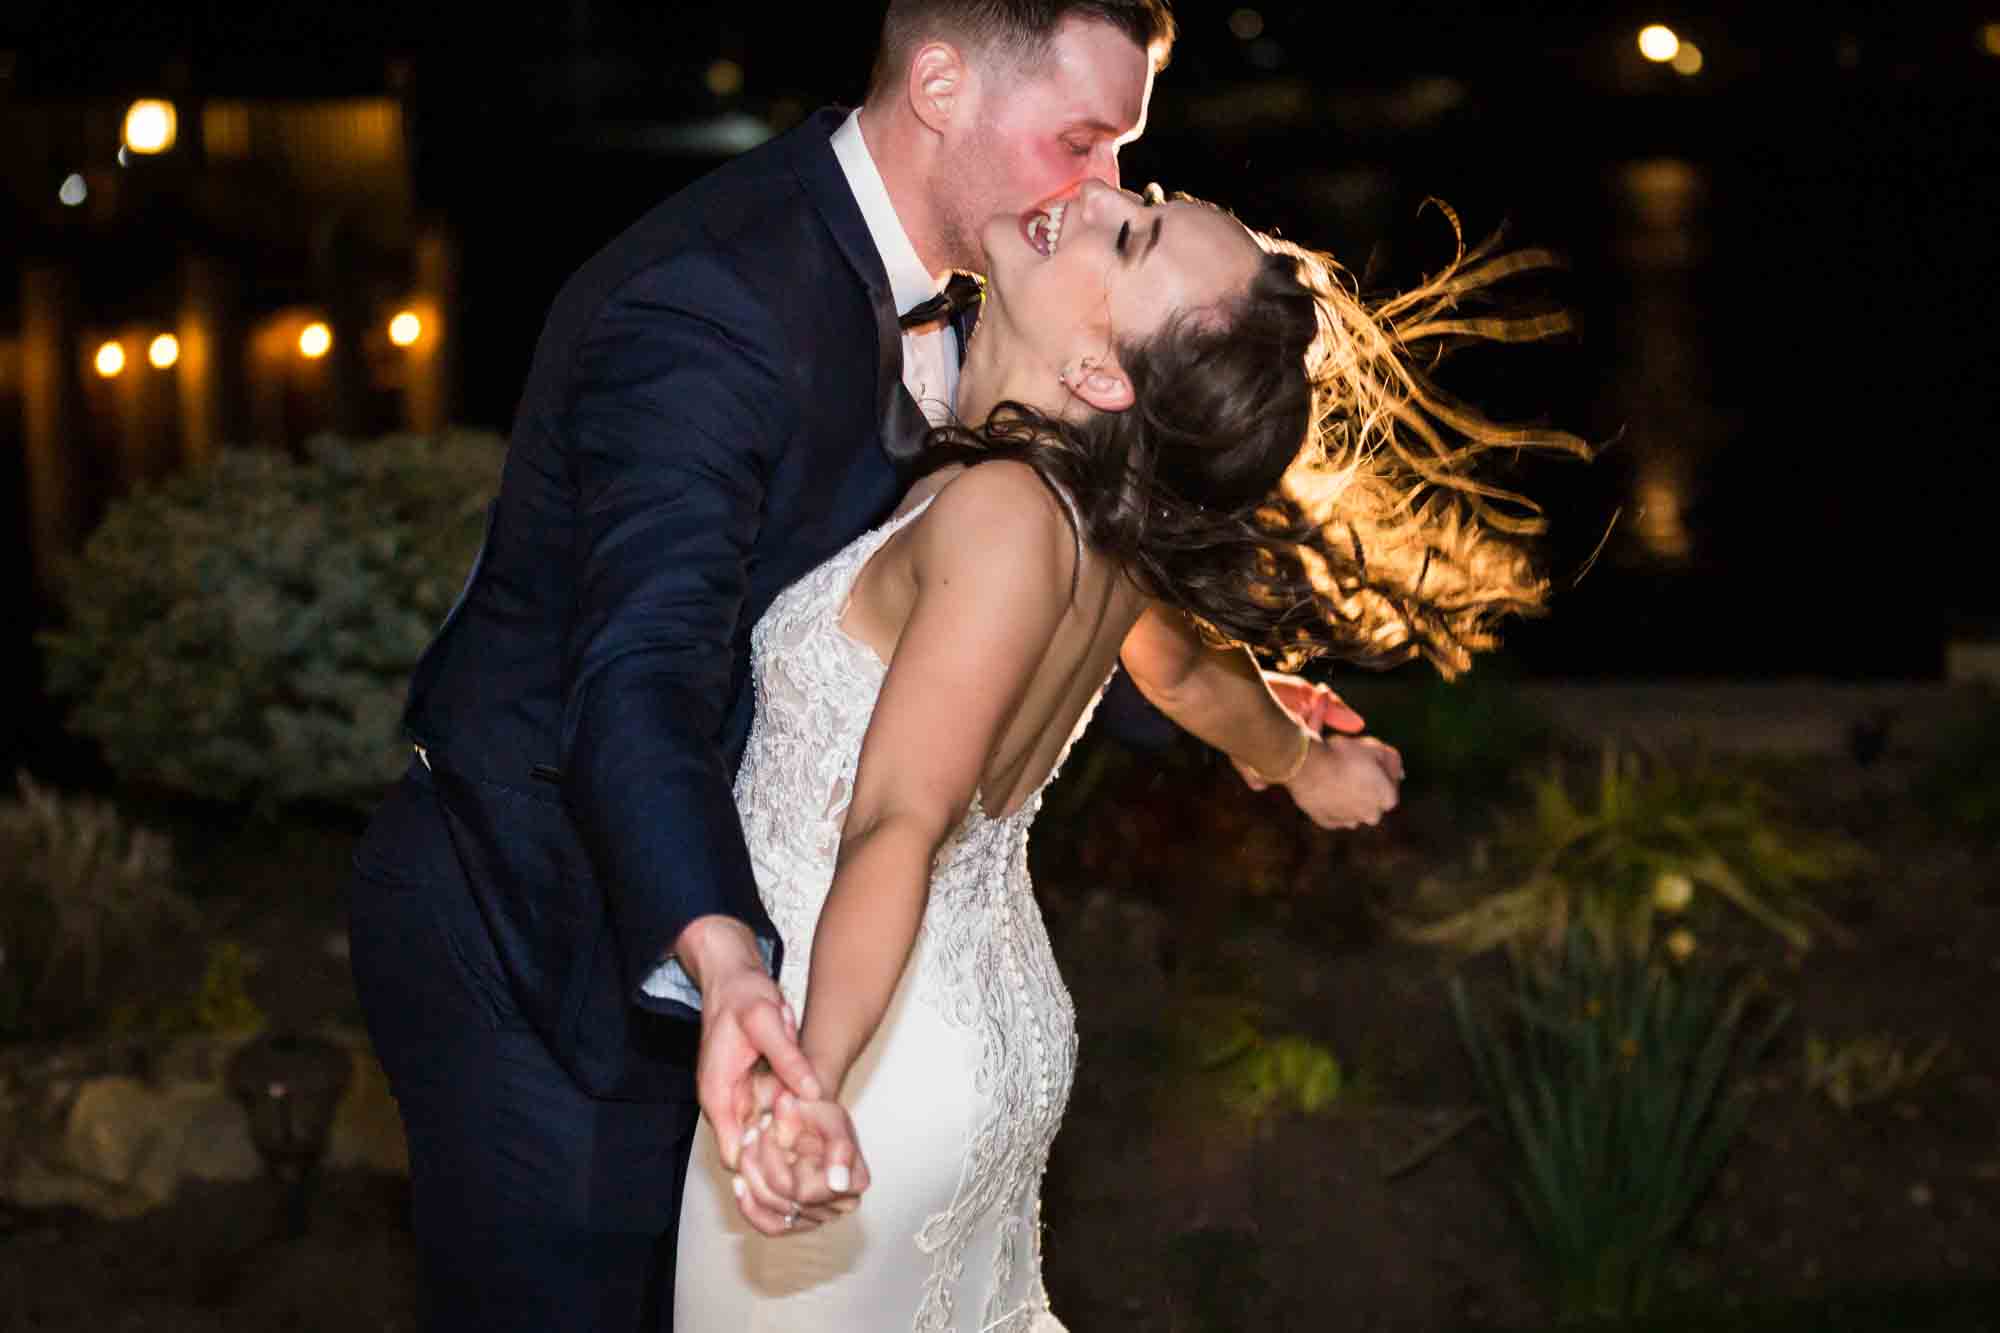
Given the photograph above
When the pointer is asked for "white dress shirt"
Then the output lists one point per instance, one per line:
(930, 358)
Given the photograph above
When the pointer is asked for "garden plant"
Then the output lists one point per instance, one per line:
(244, 633)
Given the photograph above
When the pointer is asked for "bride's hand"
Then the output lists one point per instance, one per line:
(1348, 781)
(800, 1165)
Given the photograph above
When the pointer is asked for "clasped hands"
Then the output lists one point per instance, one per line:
(1347, 780)
(791, 1148)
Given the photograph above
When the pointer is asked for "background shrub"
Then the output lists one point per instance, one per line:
(81, 890)
(245, 633)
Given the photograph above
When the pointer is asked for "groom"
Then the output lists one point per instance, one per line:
(722, 398)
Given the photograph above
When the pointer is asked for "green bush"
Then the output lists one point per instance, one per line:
(245, 632)
(1649, 841)
(1615, 1081)
(80, 889)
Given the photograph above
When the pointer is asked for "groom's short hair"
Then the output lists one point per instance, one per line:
(1016, 30)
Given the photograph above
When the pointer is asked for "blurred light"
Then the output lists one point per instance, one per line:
(110, 360)
(1247, 24)
(73, 191)
(151, 126)
(1687, 60)
(1661, 518)
(164, 351)
(124, 156)
(725, 78)
(1266, 54)
(1989, 39)
(315, 340)
(225, 129)
(1657, 43)
(405, 328)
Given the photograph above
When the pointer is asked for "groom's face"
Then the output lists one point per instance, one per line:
(1039, 133)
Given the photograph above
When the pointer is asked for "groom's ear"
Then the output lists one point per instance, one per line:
(1104, 388)
(939, 84)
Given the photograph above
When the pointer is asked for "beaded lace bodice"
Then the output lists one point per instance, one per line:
(982, 960)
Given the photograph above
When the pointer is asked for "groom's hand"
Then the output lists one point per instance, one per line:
(1315, 706)
(744, 1026)
(800, 1166)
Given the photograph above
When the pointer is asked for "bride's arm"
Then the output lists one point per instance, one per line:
(991, 561)
(1220, 697)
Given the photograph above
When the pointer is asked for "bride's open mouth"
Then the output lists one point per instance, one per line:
(1043, 228)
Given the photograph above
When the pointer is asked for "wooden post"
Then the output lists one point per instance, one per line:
(210, 371)
(51, 415)
(427, 395)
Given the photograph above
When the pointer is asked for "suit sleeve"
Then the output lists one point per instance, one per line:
(679, 406)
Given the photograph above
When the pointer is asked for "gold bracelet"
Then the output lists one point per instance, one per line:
(1305, 749)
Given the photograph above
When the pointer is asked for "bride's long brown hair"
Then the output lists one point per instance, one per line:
(1290, 476)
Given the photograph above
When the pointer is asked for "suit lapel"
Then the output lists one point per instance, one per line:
(902, 424)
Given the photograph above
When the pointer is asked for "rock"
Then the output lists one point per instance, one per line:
(34, 1183)
(217, 1146)
(125, 1145)
(113, 1128)
(367, 1127)
(200, 1057)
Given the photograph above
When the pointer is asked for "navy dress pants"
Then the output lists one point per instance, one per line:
(535, 1206)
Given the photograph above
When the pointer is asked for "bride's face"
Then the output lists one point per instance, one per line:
(1067, 284)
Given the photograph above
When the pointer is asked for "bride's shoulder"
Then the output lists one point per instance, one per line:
(1000, 509)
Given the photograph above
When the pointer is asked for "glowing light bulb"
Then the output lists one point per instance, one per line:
(315, 340)
(163, 351)
(110, 360)
(151, 126)
(1687, 61)
(725, 78)
(405, 328)
(1658, 43)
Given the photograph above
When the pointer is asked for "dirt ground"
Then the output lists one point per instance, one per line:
(1164, 1212)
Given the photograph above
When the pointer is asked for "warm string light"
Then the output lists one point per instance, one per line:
(151, 126)
(110, 360)
(315, 341)
(164, 351)
(1658, 43)
(405, 328)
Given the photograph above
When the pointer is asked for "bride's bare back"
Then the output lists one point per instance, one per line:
(936, 662)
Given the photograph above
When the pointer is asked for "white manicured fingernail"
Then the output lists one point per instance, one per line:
(837, 1179)
(750, 1134)
(737, 1187)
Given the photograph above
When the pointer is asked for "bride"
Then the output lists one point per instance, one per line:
(1185, 433)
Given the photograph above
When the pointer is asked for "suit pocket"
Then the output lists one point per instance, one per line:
(412, 910)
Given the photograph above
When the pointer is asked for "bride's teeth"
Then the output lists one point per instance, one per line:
(1036, 226)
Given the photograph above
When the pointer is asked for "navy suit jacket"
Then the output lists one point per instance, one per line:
(715, 407)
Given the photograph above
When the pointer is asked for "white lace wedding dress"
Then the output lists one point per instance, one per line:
(959, 1095)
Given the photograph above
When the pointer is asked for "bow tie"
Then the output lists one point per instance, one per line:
(963, 293)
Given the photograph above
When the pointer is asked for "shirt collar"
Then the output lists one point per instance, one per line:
(910, 283)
